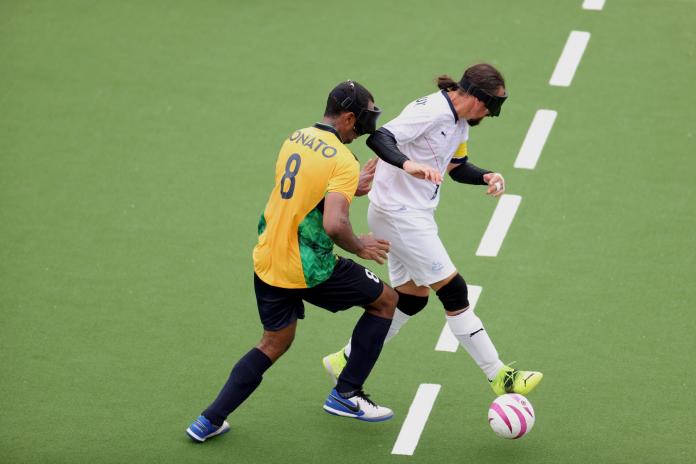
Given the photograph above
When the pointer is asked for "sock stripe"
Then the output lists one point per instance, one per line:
(474, 333)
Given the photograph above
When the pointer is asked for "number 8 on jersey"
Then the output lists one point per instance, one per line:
(290, 174)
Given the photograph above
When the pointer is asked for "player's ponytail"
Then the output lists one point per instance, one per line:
(446, 83)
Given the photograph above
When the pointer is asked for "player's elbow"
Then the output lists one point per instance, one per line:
(378, 140)
(333, 228)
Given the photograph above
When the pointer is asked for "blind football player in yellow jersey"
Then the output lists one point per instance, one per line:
(316, 178)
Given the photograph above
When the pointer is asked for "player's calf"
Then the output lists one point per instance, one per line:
(467, 327)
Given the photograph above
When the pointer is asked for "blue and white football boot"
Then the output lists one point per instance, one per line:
(201, 429)
(359, 406)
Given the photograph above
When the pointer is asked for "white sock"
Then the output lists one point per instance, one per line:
(399, 320)
(468, 329)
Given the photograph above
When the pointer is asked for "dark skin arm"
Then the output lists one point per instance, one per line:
(337, 226)
(367, 174)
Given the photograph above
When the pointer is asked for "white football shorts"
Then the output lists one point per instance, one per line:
(416, 252)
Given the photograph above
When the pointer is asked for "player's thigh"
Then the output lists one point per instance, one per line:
(429, 261)
(398, 274)
(278, 307)
(350, 284)
(384, 224)
(418, 248)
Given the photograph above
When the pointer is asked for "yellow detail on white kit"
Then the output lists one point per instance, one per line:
(461, 152)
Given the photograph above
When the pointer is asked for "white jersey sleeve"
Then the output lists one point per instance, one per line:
(416, 119)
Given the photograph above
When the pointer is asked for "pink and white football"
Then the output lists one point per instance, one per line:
(511, 416)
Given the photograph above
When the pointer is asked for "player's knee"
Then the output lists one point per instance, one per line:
(385, 304)
(411, 304)
(454, 295)
(274, 346)
(273, 350)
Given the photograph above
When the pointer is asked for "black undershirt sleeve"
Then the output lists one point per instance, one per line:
(468, 173)
(383, 143)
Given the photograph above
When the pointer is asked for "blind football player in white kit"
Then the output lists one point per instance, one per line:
(427, 140)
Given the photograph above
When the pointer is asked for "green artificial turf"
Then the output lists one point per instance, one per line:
(137, 145)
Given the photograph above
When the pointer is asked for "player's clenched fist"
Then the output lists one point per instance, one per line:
(496, 184)
(374, 249)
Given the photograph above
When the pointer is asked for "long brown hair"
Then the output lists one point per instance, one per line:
(482, 75)
(446, 83)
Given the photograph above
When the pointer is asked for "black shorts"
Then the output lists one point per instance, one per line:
(350, 285)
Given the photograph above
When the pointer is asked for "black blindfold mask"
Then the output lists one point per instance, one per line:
(493, 103)
(366, 119)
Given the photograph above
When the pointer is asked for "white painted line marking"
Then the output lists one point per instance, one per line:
(500, 223)
(570, 58)
(593, 4)
(447, 340)
(536, 138)
(416, 418)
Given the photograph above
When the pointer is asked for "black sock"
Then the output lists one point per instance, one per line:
(246, 375)
(366, 344)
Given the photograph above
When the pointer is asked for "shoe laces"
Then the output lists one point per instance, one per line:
(509, 379)
(361, 394)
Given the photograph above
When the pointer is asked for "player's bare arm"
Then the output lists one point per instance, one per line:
(383, 143)
(467, 173)
(337, 225)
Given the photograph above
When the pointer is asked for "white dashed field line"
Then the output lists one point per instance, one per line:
(447, 340)
(416, 418)
(536, 138)
(500, 222)
(570, 58)
(593, 4)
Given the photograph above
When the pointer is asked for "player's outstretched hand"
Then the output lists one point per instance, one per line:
(374, 249)
(422, 171)
(367, 173)
(496, 184)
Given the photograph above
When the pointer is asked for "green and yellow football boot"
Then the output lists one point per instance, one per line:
(334, 364)
(509, 380)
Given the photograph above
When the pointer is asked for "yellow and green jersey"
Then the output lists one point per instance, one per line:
(293, 250)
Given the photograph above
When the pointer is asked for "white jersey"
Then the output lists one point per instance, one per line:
(429, 132)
